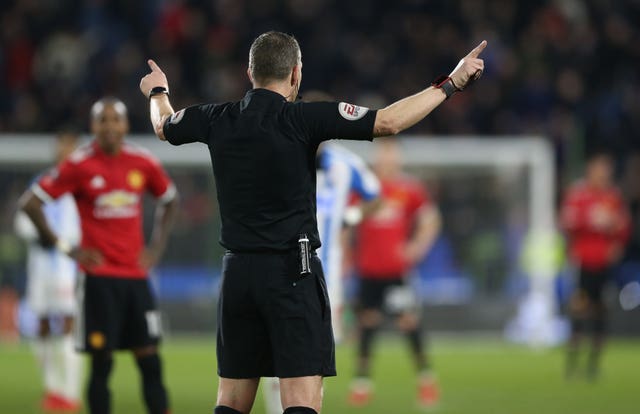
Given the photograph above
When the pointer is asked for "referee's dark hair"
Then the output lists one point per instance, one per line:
(272, 56)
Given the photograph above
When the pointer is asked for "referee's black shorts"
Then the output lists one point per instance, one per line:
(273, 322)
(115, 313)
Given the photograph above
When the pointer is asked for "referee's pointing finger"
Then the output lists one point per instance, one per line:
(476, 52)
(154, 67)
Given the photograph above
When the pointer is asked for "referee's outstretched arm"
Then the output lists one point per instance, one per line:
(391, 120)
(407, 112)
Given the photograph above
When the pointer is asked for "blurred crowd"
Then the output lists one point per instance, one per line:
(565, 69)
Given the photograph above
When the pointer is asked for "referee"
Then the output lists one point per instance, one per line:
(274, 317)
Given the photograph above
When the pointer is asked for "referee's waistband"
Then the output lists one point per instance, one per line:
(269, 252)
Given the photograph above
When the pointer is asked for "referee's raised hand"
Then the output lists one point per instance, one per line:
(469, 68)
(154, 79)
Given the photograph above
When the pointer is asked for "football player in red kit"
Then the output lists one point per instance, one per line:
(390, 241)
(108, 178)
(596, 221)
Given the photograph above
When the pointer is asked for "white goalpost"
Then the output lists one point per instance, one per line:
(503, 156)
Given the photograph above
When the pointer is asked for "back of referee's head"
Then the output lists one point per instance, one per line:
(272, 57)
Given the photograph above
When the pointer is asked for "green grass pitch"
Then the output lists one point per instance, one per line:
(476, 375)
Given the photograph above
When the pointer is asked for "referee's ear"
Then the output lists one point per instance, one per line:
(296, 74)
(251, 77)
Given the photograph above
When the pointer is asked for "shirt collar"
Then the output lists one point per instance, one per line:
(264, 93)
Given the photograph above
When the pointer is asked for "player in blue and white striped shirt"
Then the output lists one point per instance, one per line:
(340, 173)
(51, 278)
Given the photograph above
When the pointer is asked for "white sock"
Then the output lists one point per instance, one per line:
(71, 368)
(271, 393)
(43, 349)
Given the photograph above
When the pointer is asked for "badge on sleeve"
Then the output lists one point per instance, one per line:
(351, 112)
(176, 117)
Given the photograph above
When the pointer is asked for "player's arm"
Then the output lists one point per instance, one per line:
(163, 222)
(32, 205)
(367, 187)
(47, 189)
(428, 225)
(407, 112)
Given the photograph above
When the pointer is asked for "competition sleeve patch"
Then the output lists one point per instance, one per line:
(351, 112)
(187, 125)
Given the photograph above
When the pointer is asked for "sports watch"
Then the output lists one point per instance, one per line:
(158, 90)
(446, 84)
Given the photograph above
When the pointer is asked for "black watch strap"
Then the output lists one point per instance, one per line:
(446, 84)
(158, 90)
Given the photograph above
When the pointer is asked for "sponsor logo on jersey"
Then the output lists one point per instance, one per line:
(176, 117)
(135, 179)
(351, 112)
(117, 204)
(97, 182)
(388, 211)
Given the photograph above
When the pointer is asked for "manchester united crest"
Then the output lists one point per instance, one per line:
(135, 179)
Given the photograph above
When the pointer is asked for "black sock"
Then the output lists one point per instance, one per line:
(577, 330)
(366, 340)
(155, 394)
(415, 341)
(598, 330)
(221, 409)
(578, 326)
(300, 410)
(98, 395)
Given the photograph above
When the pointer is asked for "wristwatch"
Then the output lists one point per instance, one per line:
(158, 90)
(446, 84)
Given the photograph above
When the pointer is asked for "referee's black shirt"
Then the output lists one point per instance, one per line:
(263, 151)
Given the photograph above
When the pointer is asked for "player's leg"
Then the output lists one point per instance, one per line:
(62, 365)
(597, 324)
(71, 363)
(271, 395)
(68, 361)
(369, 320)
(96, 330)
(598, 339)
(38, 302)
(43, 350)
(369, 317)
(142, 330)
(54, 295)
(408, 322)
(98, 392)
(153, 388)
(335, 288)
(579, 313)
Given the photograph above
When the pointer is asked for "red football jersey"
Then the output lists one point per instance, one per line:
(596, 221)
(383, 235)
(108, 190)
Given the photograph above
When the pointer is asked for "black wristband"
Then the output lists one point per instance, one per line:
(158, 90)
(446, 84)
